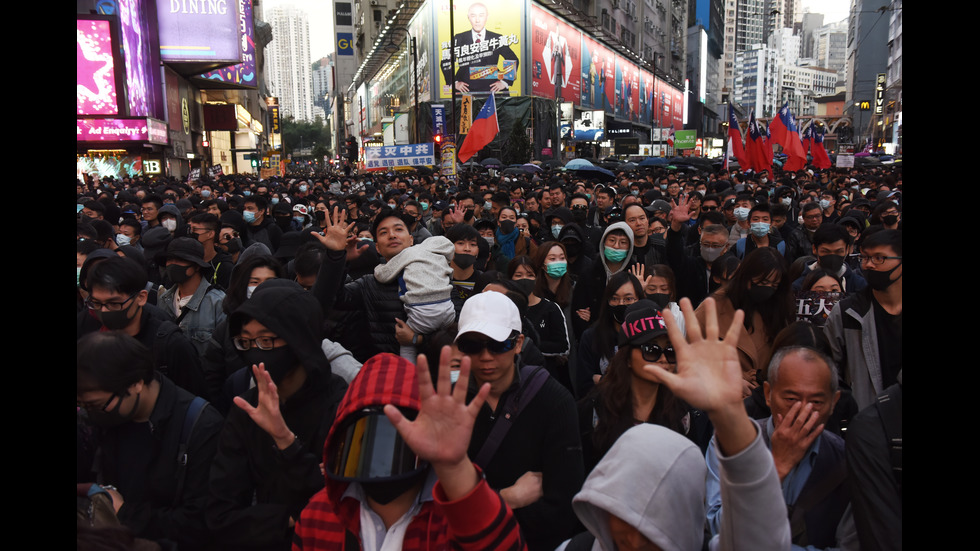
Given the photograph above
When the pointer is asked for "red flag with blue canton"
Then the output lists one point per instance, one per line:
(483, 130)
(820, 158)
(786, 134)
(755, 144)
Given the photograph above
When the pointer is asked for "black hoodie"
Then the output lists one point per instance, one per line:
(255, 487)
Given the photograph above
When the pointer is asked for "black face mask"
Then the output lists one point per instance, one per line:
(526, 285)
(114, 321)
(178, 274)
(469, 215)
(890, 219)
(830, 262)
(879, 281)
(506, 227)
(464, 260)
(278, 361)
(761, 293)
(319, 215)
(619, 312)
(386, 492)
(284, 222)
(112, 418)
(662, 299)
(573, 248)
(579, 215)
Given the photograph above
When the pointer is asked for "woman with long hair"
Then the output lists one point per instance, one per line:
(598, 343)
(627, 395)
(553, 281)
(759, 287)
(548, 319)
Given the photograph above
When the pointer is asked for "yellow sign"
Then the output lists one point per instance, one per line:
(487, 47)
(466, 114)
(865, 106)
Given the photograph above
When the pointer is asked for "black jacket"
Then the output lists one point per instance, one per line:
(255, 487)
(149, 511)
(173, 353)
(378, 301)
(543, 439)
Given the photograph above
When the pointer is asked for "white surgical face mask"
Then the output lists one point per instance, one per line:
(122, 240)
(250, 290)
(170, 224)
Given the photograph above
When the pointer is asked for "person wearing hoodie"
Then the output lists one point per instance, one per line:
(192, 302)
(259, 228)
(648, 491)
(616, 249)
(267, 464)
(433, 497)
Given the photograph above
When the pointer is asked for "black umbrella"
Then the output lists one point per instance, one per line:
(553, 163)
(492, 162)
(596, 172)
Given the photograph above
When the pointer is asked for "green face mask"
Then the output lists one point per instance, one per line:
(614, 255)
(556, 269)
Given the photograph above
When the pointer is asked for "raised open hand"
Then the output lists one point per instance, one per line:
(440, 434)
(335, 235)
(267, 415)
(681, 212)
(639, 271)
(709, 376)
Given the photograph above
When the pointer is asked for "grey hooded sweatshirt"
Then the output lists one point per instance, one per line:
(653, 479)
(602, 245)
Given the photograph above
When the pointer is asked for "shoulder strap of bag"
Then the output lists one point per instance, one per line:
(533, 378)
(190, 421)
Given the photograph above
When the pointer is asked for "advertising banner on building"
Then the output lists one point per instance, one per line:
(685, 139)
(627, 90)
(668, 106)
(240, 74)
(95, 74)
(438, 119)
(487, 44)
(421, 29)
(418, 154)
(139, 129)
(598, 76)
(646, 96)
(556, 59)
(189, 33)
(141, 59)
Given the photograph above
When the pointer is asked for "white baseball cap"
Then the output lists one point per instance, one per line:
(491, 314)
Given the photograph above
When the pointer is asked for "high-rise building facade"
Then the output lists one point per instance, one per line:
(867, 57)
(288, 62)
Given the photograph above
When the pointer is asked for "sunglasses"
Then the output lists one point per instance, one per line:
(476, 346)
(653, 352)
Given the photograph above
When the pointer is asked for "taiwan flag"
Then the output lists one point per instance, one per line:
(785, 133)
(735, 147)
(482, 132)
(820, 158)
(755, 147)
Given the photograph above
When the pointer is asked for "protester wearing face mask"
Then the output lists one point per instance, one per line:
(510, 239)
(599, 342)
(170, 218)
(693, 272)
(267, 464)
(742, 227)
(865, 329)
(118, 303)
(192, 301)
(760, 288)
(832, 246)
(760, 233)
(135, 418)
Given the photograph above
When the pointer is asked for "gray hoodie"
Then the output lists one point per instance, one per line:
(653, 479)
(602, 244)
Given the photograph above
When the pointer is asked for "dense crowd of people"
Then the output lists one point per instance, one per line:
(673, 359)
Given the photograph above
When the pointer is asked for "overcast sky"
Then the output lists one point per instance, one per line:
(320, 13)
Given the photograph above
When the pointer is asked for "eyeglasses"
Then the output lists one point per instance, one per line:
(262, 343)
(476, 346)
(653, 352)
(877, 259)
(87, 406)
(110, 306)
(622, 301)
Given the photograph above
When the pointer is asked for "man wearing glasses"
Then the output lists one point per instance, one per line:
(865, 329)
(526, 436)
(118, 303)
